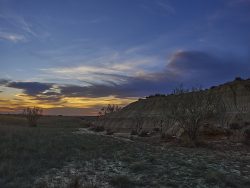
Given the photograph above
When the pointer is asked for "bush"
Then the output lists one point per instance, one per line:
(109, 109)
(238, 79)
(159, 95)
(190, 108)
(32, 115)
(156, 95)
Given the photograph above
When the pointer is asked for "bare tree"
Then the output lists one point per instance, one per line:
(238, 110)
(32, 115)
(138, 124)
(224, 115)
(110, 108)
(240, 104)
(190, 109)
(156, 124)
(232, 107)
(103, 114)
(164, 123)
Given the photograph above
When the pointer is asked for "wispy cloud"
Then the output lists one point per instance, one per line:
(162, 7)
(72, 64)
(187, 67)
(229, 11)
(166, 6)
(107, 70)
(12, 37)
(182, 66)
(27, 27)
(19, 22)
(15, 23)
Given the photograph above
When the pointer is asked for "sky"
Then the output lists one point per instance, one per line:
(71, 57)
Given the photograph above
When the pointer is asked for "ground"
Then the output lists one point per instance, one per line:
(58, 154)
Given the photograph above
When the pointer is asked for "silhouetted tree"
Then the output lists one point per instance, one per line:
(110, 108)
(103, 114)
(32, 115)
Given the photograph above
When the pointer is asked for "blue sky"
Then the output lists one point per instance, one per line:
(117, 50)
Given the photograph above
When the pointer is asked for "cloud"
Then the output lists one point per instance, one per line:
(12, 37)
(188, 67)
(166, 6)
(108, 69)
(159, 7)
(17, 28)
(30, 88)
(93, 91)
(206, 67)
(25, 26)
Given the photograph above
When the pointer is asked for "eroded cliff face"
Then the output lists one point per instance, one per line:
(149, 113)
(144, 111)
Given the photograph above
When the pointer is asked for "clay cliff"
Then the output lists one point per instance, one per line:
(149, 111)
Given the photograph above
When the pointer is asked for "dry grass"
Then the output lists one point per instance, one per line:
(29, 153)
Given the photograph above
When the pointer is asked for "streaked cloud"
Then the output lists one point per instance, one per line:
(106, 67)
(184, 67)
(162, 7)
(83, 53)
(166, 6)
(12, 37)
(16, 28)
(187, 67)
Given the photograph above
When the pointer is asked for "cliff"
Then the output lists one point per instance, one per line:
(150, 110)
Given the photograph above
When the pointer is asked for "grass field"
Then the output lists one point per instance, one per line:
(28, 152)
(53, 155)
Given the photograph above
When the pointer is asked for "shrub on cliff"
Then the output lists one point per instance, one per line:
(190, 109)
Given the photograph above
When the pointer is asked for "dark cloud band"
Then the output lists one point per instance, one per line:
(186, 67)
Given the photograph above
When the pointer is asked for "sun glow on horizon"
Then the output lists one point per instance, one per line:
(86, 54)
(14, 100)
